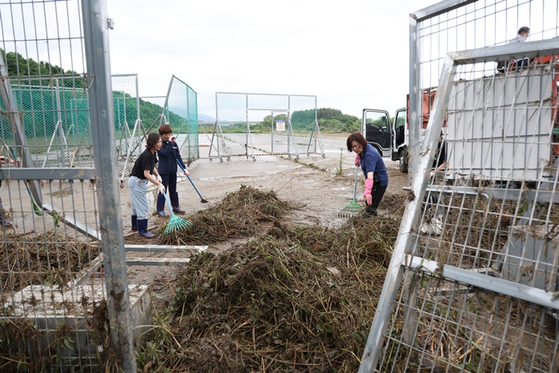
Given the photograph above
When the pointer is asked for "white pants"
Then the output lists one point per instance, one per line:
(138, 189)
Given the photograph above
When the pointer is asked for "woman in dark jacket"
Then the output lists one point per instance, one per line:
(372, 165)
(169, 155)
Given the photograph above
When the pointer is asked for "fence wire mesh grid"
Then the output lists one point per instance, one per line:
(181, 112)
(290, 120)
(56, 299)
(474, 275)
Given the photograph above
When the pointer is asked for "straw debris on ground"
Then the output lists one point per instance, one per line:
(292, 299)
(239, 214)
(47, 258)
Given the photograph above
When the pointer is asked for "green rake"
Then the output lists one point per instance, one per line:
(354, 208)
(175, 223)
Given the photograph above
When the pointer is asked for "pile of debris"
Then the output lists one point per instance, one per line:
(239, 214)
(50, 258)
(294, 298)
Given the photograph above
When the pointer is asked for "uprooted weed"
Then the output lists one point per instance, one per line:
(49, 258)
(292, 299)
(239, 214)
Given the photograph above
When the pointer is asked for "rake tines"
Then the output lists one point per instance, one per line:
(175, 223)
(351, 210)
(354, 208)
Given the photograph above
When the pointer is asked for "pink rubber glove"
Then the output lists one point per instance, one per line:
(368, 189)
(172, 138)
(357, 160)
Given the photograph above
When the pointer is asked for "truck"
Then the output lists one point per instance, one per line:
(501, 127)
(390, 137)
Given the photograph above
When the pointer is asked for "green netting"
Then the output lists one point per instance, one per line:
(181, 112)
(55, 117)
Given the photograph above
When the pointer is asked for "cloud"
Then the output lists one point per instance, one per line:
(351, 54)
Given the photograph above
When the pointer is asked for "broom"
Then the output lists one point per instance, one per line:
(175, 223)
(354, 208)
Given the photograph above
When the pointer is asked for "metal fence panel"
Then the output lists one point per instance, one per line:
(181, 112)
(473, 279)
(66, 302)
(290, 120)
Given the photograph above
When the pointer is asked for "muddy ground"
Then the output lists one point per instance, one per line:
(312, 184)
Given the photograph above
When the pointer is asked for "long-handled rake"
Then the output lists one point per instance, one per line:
(354, 208)
(191, 182)
(175, 223)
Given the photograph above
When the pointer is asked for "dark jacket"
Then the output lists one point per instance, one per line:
(168, 155)
(371, 161)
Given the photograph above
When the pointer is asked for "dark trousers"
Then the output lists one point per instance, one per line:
(170, 183)
(377, 193)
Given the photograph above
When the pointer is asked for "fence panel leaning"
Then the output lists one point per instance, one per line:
(472, 284)
(66, 302)
(181, 112)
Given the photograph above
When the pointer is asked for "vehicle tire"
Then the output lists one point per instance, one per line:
(404, 162)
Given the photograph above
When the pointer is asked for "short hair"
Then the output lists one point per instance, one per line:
(165, 128)
(523, 29)
(152, 140)
(356, 136)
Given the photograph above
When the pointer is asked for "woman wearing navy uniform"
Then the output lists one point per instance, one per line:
(169, 155)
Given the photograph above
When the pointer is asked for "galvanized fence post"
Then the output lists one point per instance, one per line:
(96, 31)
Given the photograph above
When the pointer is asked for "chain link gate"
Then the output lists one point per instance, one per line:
(473, 280)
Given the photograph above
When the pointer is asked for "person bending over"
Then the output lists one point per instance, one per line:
(143, 171)
(374, 170)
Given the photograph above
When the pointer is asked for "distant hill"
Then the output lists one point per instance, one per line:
(205, 118)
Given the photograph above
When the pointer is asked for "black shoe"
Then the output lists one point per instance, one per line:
(178, 210)
(368, 213)
(162, 214)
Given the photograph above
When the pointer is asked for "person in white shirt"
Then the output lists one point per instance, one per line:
(517, 64)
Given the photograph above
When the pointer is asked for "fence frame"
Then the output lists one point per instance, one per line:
(96, 25)
(217, 134)
(403, 255)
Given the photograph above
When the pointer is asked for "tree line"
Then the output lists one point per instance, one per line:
(41, 73)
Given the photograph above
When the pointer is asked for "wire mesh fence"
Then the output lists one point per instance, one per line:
(66, 301)
(181, 111)
(473, 280)
(290, 120)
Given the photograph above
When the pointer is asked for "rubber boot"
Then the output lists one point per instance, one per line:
(143, 229)
(134, 223)
(161, 205)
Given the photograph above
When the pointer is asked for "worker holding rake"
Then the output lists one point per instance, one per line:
(169, 155)
(143, 171)
(372, 165)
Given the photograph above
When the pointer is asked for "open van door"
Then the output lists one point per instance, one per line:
(377, 129)
(400, 139)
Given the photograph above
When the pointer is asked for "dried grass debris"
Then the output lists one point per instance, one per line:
(296, 298)
(239, 214)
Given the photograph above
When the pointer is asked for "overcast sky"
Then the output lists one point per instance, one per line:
(351, 54)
